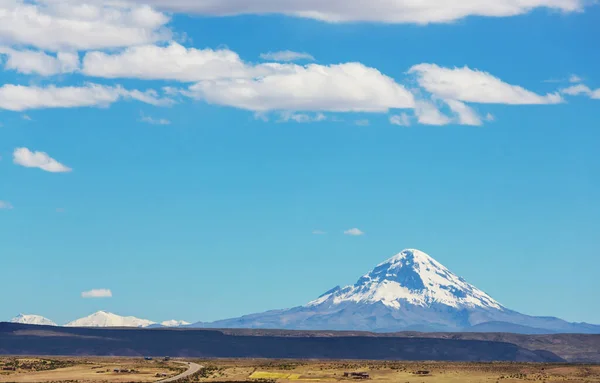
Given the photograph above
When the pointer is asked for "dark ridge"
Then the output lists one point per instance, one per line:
(45, 340)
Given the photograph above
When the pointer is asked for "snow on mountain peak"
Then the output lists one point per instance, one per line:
(107, 319)
(175, 323)
(411, 277)
(32, 319)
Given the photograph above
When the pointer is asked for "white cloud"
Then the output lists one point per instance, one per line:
(286, 56)
(20, 97)
(319, 232)
(580, 89)
(222, 77)
(489, 117)
(574, 78)
(387, 11)
(428, 114)
(401, 119)
(350, 87)
(76, 24)
(97, 293)
(172, 62)
(5, 205)
(363, 122)
(301, 117)
(41, 160)
(155, 121)
(354, 232)
(36, 62)
(465, 84)
(26, 117)
(466, 115)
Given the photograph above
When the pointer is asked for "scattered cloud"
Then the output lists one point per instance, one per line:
(363, 122)
(489, 117)
(41, 160)
(264, 117)
(20, 97)
(468, 85)
(466, 115)
(350, 87)
(154, 121)
(26, 117)
(5, 205)
(301, 117)
(36, 62)
(286, 56)
(80, 25)
(574, 78)
(581, 89)
(428, 114)
(354, 232)
(401, 119)
(97, 293)
(384, 11)
(319, 232)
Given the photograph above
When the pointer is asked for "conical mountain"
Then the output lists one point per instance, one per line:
(409, 291)
(411, 278)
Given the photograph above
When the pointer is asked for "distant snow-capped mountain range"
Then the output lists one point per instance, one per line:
(409, 291)
(99, 319)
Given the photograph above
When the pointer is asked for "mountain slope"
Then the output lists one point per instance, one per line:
(409, 291)
(32, 319)
(106, 319)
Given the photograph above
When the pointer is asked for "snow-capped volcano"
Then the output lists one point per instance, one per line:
(32, 319)
(106, 319)
(410, 277)
(409, 291)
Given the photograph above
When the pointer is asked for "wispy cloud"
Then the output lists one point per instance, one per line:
(319, 232)
(472, 85)
(22, 97)
(286, 56)
(154, 121)
(97, 293)
(401, 119)
(301, 117)
(574, 78)
(354, 232)
(363, 122)
(41, 160)
(5, 205)
(581, 89)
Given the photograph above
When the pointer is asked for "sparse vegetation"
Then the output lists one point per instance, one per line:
(87, 370)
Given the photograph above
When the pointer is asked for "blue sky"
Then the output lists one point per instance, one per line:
(156, 154)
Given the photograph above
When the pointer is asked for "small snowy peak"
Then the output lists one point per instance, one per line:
(32, 319)
(106, 319)
(175, 323)
(411, 277)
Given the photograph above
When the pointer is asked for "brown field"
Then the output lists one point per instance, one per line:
(283, 371)
(53, 369)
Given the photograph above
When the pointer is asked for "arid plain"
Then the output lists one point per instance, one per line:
(96, 369)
